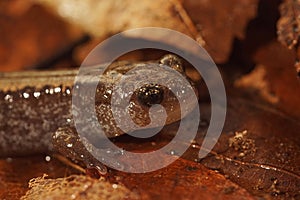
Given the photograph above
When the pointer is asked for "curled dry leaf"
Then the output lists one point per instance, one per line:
(219, 22)
(102, 18)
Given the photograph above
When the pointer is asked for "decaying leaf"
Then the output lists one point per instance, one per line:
(288, 27)
(76, 187)
(256, 81)
(280, 77)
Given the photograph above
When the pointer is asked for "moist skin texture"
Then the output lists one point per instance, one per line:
(36, 106)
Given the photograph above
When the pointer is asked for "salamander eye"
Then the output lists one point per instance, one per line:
(173, 61)
(150, 94)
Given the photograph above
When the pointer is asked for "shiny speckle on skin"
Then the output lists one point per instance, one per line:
(68, 91)
(57, 90)
(25, 95)
(34, 114)
(70, 145)
(8, 98)
(172, 152)
(51, 91)
(36, 94)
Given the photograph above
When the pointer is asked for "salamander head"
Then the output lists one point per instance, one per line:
(145, 85)
(155, 92)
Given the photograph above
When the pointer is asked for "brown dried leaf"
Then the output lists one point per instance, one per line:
(183, 179)
(102, 18)
(220, 22)
(259, 150)
(30, 34)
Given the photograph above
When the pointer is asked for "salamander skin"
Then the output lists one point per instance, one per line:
(35, 104)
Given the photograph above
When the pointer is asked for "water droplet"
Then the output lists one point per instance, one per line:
(115, 186)
(172, 152)
(47, 158)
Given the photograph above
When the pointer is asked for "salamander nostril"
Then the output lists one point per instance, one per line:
(150, 94)
(173, 62)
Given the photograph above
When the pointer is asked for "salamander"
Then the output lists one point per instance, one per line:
(36, 116)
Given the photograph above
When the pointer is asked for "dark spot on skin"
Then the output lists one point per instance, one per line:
(150, 94)
(174, 62)
(229, 190)
(190, 168)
